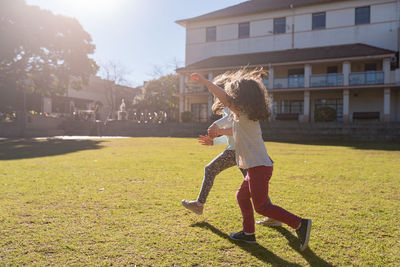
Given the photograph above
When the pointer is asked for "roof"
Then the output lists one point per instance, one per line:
(253, 6)
(288, 56)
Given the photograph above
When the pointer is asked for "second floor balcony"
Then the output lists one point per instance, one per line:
(290, 82)
(369, 77)
(326, 80)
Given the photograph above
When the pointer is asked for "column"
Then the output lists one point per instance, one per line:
(307, 75)
(271, 78)
(181, 97)
(386, 70)
(346, 69)
(346, 102)
(47, 104)
(386, 105)
(306, 117)
(181, 83)
(271, 104)
(210, 97)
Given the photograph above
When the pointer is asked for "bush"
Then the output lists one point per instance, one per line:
(325, 114)
(186, 116)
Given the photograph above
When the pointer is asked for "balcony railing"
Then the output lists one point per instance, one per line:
(326, 80)
(291, 82)
(369, 77)
(192, 87)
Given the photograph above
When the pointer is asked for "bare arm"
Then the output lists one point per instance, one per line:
(216, 90)
(227, 131)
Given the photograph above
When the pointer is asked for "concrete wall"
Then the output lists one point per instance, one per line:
(366, 100)
(340, 17)
(276, 131)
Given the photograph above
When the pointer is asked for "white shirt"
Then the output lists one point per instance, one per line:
(225, 123)
(250, 147)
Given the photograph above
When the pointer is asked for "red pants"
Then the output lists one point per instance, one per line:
(255, 186)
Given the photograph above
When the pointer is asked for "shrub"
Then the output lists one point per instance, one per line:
(186, 116)
(325, 114)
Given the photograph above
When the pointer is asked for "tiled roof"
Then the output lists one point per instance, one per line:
(254, 6)
(289, 56)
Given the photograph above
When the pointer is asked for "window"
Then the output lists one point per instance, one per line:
(211, 34)
(279, 25)
(296, 78)
(318, 20)
(244, 30)
(336, 104)
(363, 15)
(199, 112)
(370, 67)
(292, 106)
(332, 69)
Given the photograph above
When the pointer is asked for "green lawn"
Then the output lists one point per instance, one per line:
(103, 202)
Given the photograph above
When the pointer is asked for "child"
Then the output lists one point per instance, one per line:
(223, 161)
(247, 99)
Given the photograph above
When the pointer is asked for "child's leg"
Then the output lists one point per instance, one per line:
(243, 198)
(258, 186)
(222, 162)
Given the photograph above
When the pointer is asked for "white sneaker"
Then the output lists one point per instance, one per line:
(193, 206)
(269, 222)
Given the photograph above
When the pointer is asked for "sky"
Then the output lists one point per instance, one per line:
(140, 36)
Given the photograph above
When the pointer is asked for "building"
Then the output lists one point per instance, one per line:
(98, 91)
(320, 53)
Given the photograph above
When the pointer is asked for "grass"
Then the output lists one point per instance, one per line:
(117, 202)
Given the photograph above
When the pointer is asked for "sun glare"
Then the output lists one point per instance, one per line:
(96, 7)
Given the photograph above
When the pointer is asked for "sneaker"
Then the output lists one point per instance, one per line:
(269, 222)
(304, 233)
(192, 205)
(241, 236)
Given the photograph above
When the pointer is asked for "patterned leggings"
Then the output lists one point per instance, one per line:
(222, 162)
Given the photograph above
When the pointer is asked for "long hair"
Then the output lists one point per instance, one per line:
(248, 94)
(220, 81)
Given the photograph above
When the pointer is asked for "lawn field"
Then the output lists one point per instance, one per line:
(118, 202)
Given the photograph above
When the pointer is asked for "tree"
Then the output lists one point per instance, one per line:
(114, 76)
(41, 52)
(160, 95)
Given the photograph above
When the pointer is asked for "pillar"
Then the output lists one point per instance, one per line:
(307, 75)
(346, 103)
(210, 97)
(386, 105)
(271, 104)
(306, 114)
(271, 78)
(346, 69)
(181, 97)
(386, 70)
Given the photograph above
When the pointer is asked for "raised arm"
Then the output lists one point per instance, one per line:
(215, 90)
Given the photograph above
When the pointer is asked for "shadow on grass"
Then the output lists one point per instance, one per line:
(386, 146)
(22, 149)
(256, 250)
(307, 254)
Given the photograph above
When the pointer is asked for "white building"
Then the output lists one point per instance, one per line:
(340, 54)
(96, 91)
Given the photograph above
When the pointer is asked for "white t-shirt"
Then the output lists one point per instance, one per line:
(249, 144)
(224, 123)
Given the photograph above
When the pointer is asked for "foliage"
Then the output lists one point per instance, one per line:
(118, 202)
(42, 52)
(114, 89)
(325, 114)
(160, 94)
(186, 116)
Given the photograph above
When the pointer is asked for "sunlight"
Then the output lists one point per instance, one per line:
(94, 5)
(87, 7)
